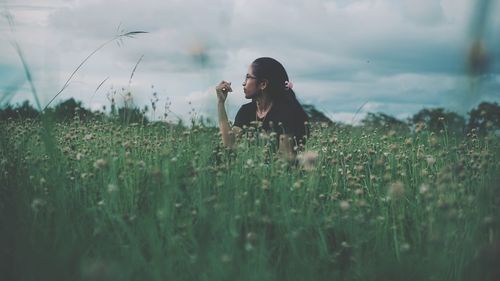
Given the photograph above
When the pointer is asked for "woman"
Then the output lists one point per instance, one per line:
(273, 103)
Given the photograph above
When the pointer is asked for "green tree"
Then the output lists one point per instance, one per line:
(315, 115)
(437, 119)
(484, 118)
(23, 111)
(71, 108)
(129, 115)
(385, 122)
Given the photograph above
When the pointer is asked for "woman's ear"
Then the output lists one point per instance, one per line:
(263, 84)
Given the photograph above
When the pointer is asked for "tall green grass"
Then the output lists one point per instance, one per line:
(161, 202)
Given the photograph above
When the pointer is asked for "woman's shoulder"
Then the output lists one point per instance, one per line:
(245, 115)
(287, 109)
(248, 107)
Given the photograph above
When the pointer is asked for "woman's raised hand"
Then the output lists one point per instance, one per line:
(222, 90)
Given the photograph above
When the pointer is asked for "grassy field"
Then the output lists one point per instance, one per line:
(102, 201)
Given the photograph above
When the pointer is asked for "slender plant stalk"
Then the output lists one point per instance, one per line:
(103, 81)
(133, 70)
(19, 51)
(117, 37)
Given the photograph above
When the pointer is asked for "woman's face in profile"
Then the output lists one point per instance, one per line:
(250, 86)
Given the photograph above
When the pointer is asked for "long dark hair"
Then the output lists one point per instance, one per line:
(273, 71)
(269, 69)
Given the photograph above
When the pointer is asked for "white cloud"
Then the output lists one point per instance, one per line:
(395, 56)
(423, 11)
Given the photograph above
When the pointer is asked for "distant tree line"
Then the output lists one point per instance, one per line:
(484, 118)
(71, 109)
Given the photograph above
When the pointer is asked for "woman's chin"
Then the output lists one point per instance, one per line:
(248, 96)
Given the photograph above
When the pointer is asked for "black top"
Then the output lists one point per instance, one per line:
(282, 119)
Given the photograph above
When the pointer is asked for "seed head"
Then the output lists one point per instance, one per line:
(430, 160)
(37, 204)
(265, 184)
(100, 164)
(405, 247)
(112, 188)
(396, 190)
(297, 184)
(226, 258)
(344, 205)
(424, 188)
(308, 159)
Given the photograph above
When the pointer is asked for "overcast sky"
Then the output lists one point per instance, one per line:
(392, 56)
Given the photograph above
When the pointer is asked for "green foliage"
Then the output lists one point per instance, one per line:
(384, 122)
(484, 118)
(438, 119)
(23, 111)
(315, 115)
(101, 201)
(69, 109)
(128, 115)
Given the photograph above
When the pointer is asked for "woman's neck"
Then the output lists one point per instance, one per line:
(263, 103)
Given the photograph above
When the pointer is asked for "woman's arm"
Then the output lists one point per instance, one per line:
(228, 134)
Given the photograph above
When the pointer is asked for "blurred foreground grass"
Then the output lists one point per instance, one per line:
(101, 201)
